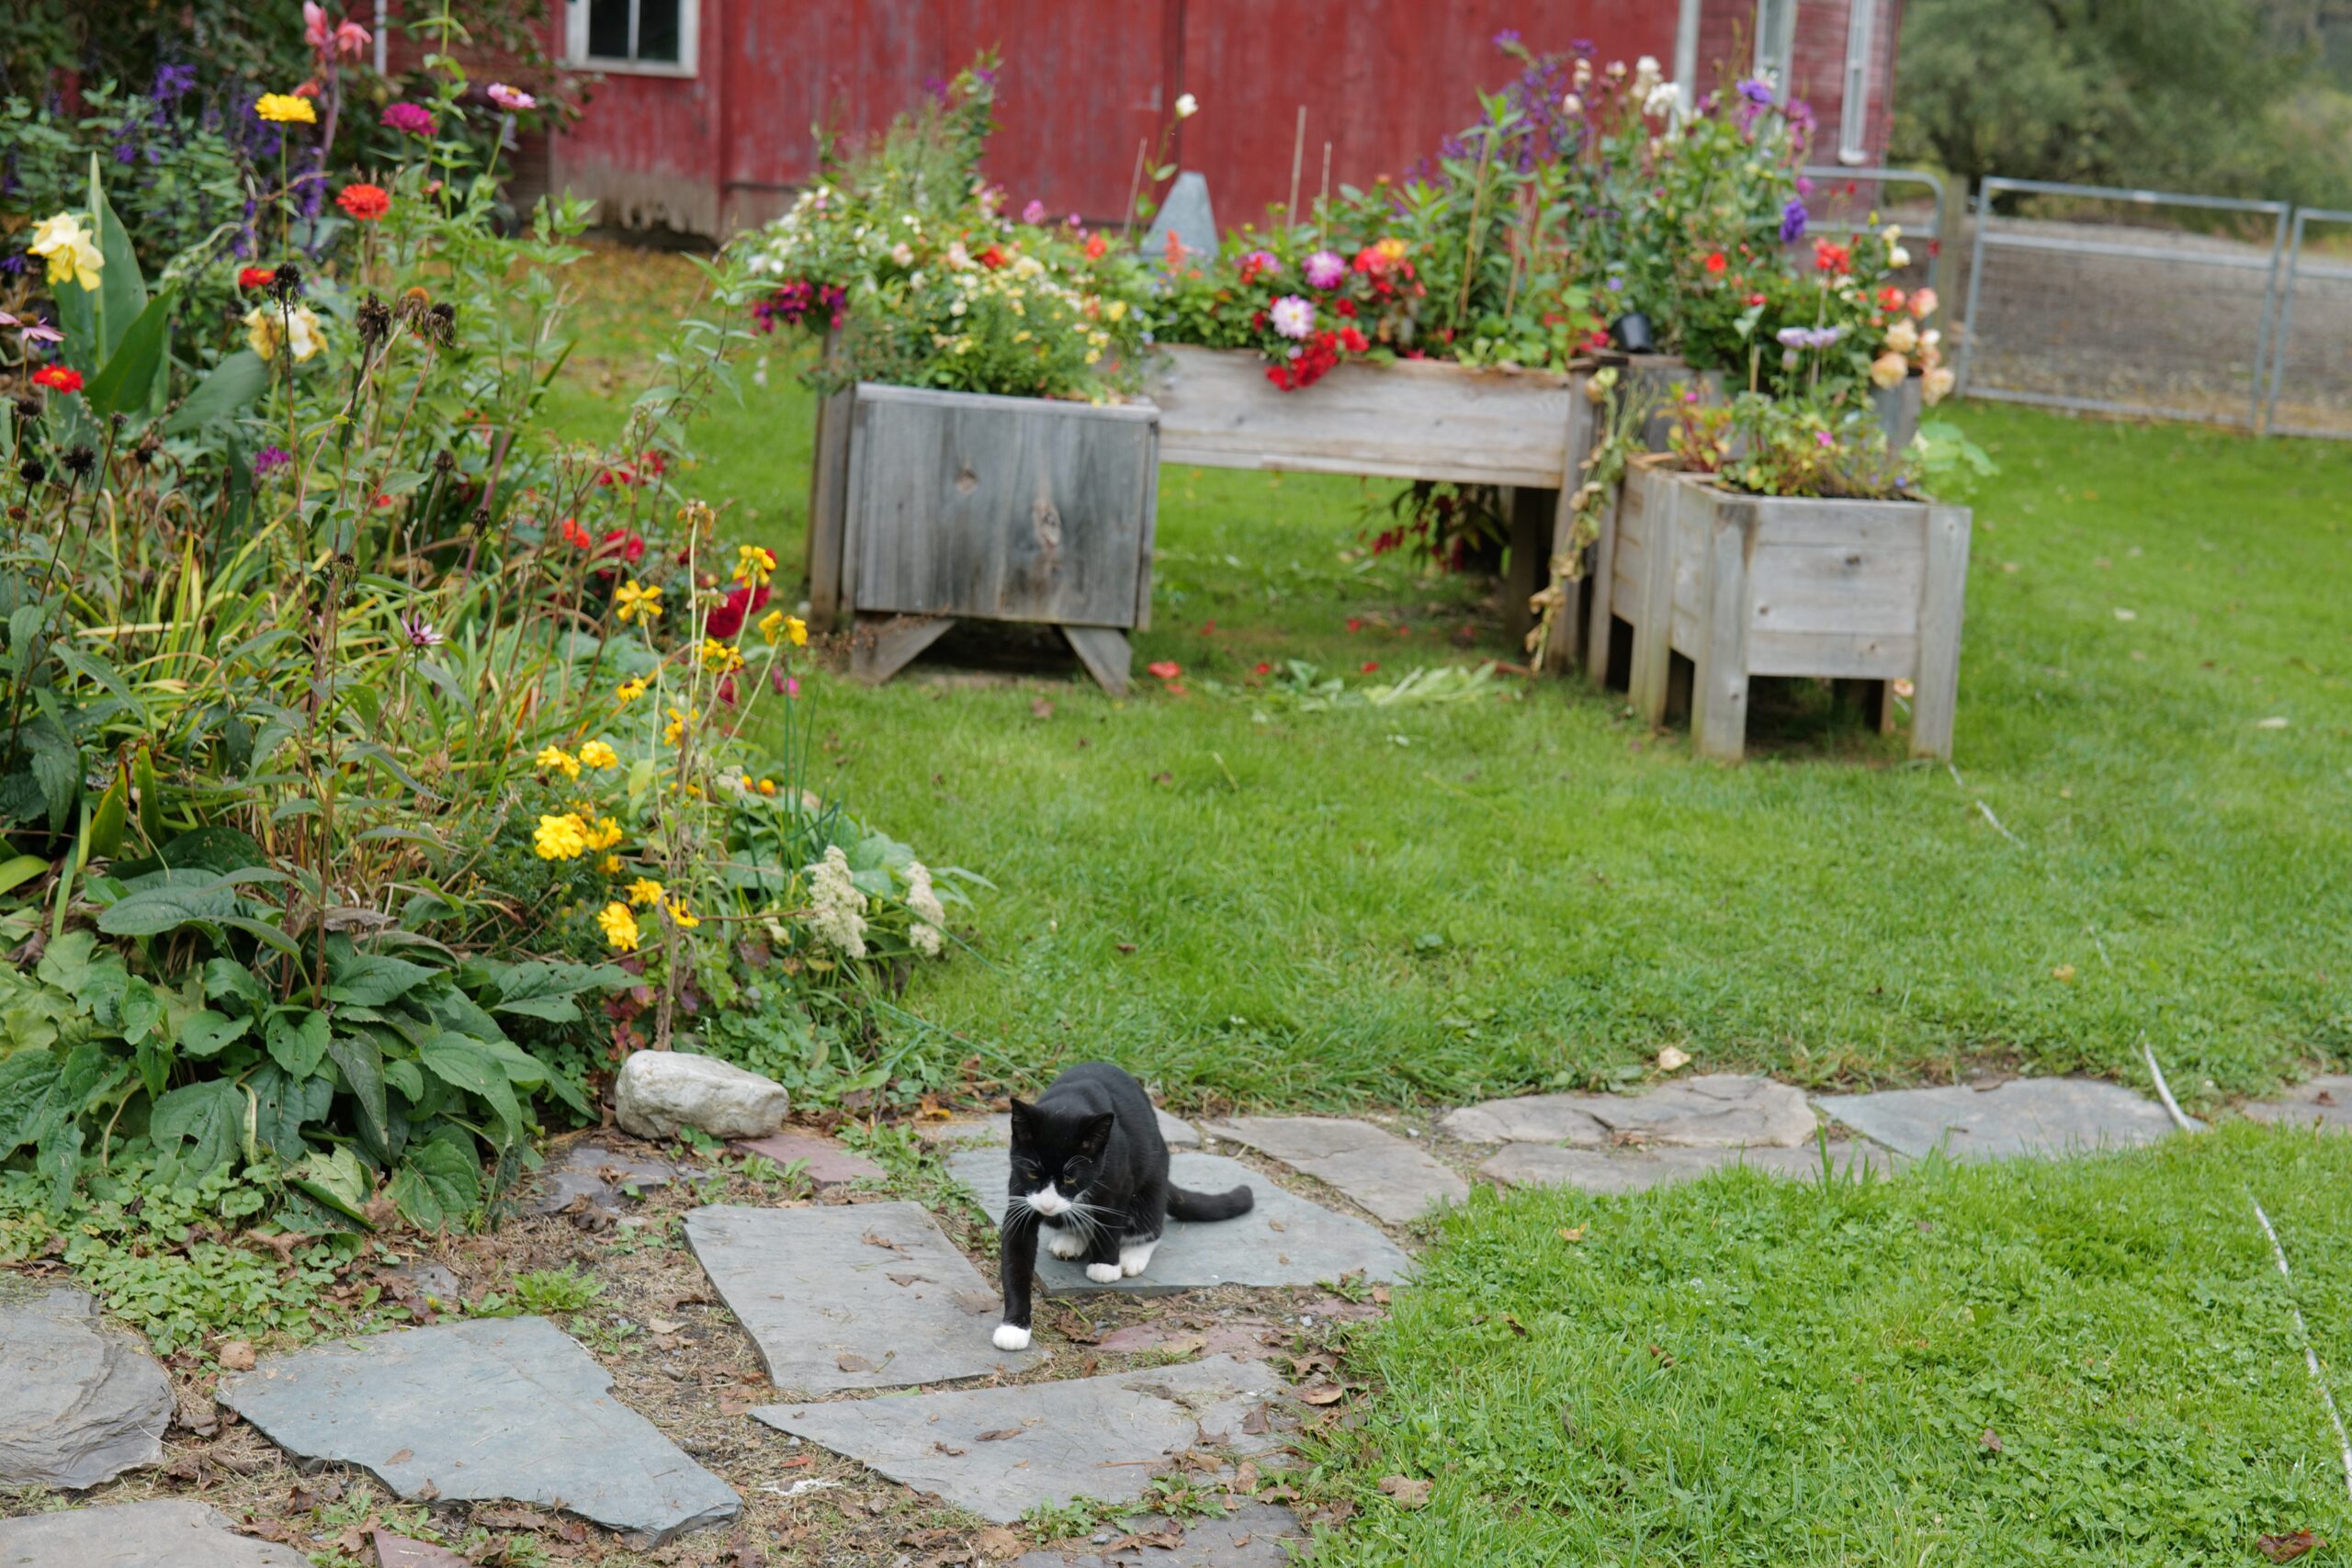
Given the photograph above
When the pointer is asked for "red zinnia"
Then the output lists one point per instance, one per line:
(992, 258)
(1096, 245)
(573, 533)
(1166, 669)
(1265, 669)
(727, 619)
(625, 543)
(57, 378)
(257, 276)
(1715, 262)
(366, 203)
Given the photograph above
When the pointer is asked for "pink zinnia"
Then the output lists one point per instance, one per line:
(409, 119)
(513, 100)
(1325, 269)
(1033, 213)
(1293, 317)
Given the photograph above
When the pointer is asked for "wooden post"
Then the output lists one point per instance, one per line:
(1935, 690)
(1533, 514)
(1654, 630)
(1719, 695)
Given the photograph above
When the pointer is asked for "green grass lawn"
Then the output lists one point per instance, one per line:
(1251, 902)
(2087, 1362)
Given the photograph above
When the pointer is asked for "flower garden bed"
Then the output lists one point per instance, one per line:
(1746, 585)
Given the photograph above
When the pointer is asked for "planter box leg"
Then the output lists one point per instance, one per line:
(884, 644)
(1935, 695)
(1654, 634)
(1600, 571)
(1104, 653)
(1528, 572)
(829, 508)
(1719, 711)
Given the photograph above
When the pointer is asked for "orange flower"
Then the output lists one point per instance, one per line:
(57, 378)
(1715, 262)
(366, 203)
(1165, 669)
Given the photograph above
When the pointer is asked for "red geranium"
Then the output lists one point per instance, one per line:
(573, 533)
(1833, 258)
(365, 202)
(992, 258)
(57, 378)
(1715, 262)
(1096, 246)
(257, 276)
(625, 543)
(737, 607)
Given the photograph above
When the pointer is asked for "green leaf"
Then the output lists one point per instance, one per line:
(28, 1081)
(227, 978)
(439, 1183)
(284, 1105)
(298, 1043)
(201, 1125)
(236, 381)
(208, 1034)
(370, 979)
(174, 898)
(338, 1179)
(59, 1161)
(407, 1077)
(67, 961)
(361, 1061)
(127, 380)
(17, 873)
(467, 1064)
(539, 990)
(107, 822)
(122, 292)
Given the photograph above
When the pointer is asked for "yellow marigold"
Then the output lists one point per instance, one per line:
(686, 922)
(596, 754)
(767, 786)
(678, 722)
(644, 891)
(719, 658)
(796, 631)
(561, 838)
(554, 758)
(636, 602)
(610, 866)
(619, 926)
(754, 565)
(606, 834)
(285, 108)
(632, 690)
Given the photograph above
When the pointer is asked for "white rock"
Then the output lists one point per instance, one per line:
(660, 1092)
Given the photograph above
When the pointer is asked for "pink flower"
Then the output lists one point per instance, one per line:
(1033, 213)
(1165, 669)
(1293, 317)
(1325, 269)
(409, 119)
(347, 38)
(513, 100)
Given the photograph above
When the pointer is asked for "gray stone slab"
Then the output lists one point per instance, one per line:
(2322, 1102)
(598, 1173)
(997, 1130)
(170, 1532)
(1608, 1172)
(2020, 1116)
(1712, 1111)
(1283, 1240)
(1392, 1179)
(1187, 213)
(495, 1409)
(80, 1401)
(1250, 1537)
(1002, 1451)
(870, 1295)
(825, 1162)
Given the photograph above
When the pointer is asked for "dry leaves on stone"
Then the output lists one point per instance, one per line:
(2287, 1548)
(1406, 1491)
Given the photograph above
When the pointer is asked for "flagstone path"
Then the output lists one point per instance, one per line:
(170, 1532)
(2020, 1116)
(597, 1175)
(1638, 1170)
(1394, 1179)
(824, 1162)
(1250, 1537)
(998, 1129)
(80, 1401)
(2319, 1102)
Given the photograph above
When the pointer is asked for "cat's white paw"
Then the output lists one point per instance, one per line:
(1009, 1337)
(1132, 1259)
(1103, 1273)
(1064, 1244)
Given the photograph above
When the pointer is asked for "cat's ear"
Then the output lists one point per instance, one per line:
(1098, 1133)
(1024, 1116)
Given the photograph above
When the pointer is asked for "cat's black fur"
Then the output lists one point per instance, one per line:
(1094, 1135)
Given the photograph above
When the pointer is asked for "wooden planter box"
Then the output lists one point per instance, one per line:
(1745, 585)
(959, 505)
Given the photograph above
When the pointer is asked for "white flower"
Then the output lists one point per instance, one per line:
(1292, 316)
(1892, 232)
(1187, 106)
(903, 253)
(836, 908)
(1903, 337)
(1645, 72)
(1938, 386)
(926, 938)
(958, 258)
(922, 897)
(263, 323)
(1664, 98)
(1888, 370)
(1897, 256)
(1572, 104)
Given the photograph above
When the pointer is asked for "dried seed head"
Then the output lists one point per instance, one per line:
(117, 421)
(373, 319)
(32, 470)
(144, 453)
(482, 520)
(414, 303)
(81, 460)
(27, 407)
(286, 282)
(440, 324)
(444, 460)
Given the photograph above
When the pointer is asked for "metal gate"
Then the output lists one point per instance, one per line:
(2310, 383)
(2073, 309)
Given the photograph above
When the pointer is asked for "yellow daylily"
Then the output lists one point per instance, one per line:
(69, 249)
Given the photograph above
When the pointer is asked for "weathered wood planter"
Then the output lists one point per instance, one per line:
(959, 505)
(1748, 585)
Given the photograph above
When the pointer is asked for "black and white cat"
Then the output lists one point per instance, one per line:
(1089, 1169)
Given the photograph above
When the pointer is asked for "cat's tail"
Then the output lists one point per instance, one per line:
(1183, 1205)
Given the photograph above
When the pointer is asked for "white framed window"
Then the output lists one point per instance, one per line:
(1776, 37)
(1854, 108)
(651, 38)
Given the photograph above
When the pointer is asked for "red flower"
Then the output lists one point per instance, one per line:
(1891, 298)
(1369, 665)
(1165, 669)
(992, 258)
(737, 606)
(1756, 299)
(1353, 341)
(625, 543)
(257, 276)
(573, 533)
(1355, 624)
(1832, 258)
(1265, 669)
(366, 203)
(57, 378)
(1344, 307)
(1096, 246)
(1715, 262)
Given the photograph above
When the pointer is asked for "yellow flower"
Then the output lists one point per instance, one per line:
(596, 754)
(69, 250)
(285, 108)
(754, 565)
(263, 322)
(606, 834)
(678, 722)
(637, 601)
(719, 658)
(610, 866)
(554, 757)
(767, 786)
(620, 927)
(686, 922)
(697, 517)
(643, 891)
(561, 838)
(632, 690)
(797, 630)
(772, 627)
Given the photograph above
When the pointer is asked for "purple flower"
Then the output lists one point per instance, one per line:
(420, 632)
(1792, 219)
(409, 119)
(1325, 269)
(269, 459)
(171, 81)
(1507, 39)
(1034, 212)
(1756, 90)
(513, 100)
(1263, 263)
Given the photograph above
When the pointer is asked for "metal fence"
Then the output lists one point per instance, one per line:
(2308, 389)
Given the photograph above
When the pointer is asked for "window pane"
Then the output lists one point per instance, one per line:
(657, 30)
(608, 29)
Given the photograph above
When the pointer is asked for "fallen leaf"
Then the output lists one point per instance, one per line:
(425, 1493)
(998, 1434)
(1674, 1058)
(1406, 1491)
(403, 1457)
(236, 1356)
(998, 1545)
(884, 1243)
(1380, 1295)
(1516, 1327)
(849, 1362)
(798, 1462)
(1323, 1393)
(904, 1279)
(1662, 1355)
(666, 1325)
(2285, 1548)
(1571, 1233)
(1040, 708)
(952, 1453)
(2273, 722)
(1255, 1423)
(1127, 947)
(2064, 971)
(1992, 1440)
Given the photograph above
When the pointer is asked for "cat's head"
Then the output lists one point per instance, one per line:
(1055, 1157)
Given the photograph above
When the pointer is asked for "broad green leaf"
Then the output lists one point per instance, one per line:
(173, 899)
(122, 291)
(227, 978)
(67, 961)
(283, 1105)
(15, 873)
(107, 822)
(29, 1082)
(407, 1077)
(362, 1065)
(202, 1125)
(539, 990)
(125, 383)
(207, 1033)
(466, 1064)
(59, 1161)
(297, 1041)
(370, 979)
(438, 1185)
(233, 383)
(339, 1180)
